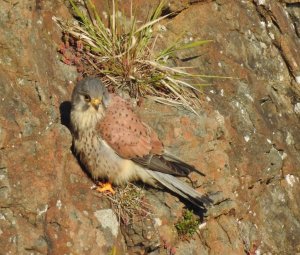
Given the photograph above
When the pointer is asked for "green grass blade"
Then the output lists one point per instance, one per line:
(193, 44)
(79, 13)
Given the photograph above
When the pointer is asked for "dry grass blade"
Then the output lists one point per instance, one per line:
(150, 24)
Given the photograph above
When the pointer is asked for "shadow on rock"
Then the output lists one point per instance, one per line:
(65, 110)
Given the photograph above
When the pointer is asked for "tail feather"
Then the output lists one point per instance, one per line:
(181, 189)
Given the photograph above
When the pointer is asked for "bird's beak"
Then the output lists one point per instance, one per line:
(95, 103)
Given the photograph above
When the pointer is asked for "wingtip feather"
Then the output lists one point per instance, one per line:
(182, 189)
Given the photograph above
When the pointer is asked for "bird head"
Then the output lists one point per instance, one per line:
(89, 100)
(90, 95)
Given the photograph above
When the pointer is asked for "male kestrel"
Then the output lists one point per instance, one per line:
(114, 144)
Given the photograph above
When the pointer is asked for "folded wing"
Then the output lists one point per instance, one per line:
(132, 139)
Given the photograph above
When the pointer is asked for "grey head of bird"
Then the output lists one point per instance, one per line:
(89, 100)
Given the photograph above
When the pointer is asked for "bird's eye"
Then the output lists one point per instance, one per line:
(87, 98)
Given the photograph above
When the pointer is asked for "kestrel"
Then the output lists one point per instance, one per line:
(114, 144)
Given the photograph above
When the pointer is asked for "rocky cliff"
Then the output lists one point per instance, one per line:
(246, 140)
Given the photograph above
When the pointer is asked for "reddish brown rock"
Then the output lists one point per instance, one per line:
(246, 139)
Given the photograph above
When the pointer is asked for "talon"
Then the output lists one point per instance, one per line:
(106, 187)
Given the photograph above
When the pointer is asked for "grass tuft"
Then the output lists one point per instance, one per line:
(121, 52)
(129, 203)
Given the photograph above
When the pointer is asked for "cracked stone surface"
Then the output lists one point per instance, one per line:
(246, 139)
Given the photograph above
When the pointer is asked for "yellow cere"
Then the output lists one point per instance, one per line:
(95, 101)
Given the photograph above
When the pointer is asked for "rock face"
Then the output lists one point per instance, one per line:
(246, 140)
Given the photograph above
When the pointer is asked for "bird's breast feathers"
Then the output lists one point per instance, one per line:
(83, 120)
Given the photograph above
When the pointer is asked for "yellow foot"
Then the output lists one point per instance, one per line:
(106, 187)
